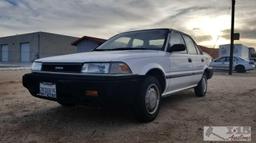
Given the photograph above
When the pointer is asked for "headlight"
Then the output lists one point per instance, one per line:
(96, 68)
(36, 66)
(105, 68)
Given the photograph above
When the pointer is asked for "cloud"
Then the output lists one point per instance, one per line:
(106, 18)
(244, 33)
(12, 2)
(203, 38)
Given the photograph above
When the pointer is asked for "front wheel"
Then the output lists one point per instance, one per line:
(147, 103)
(201, 88)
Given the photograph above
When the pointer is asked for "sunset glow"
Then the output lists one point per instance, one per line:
(208, 21)
(214, 26)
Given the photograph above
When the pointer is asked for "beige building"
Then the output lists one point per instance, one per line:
(25, 48)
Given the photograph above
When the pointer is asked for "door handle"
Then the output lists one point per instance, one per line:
(189, 60)
(202, 60)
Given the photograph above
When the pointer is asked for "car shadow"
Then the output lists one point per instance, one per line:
(178, 97)
(52, 122)
(58, 116)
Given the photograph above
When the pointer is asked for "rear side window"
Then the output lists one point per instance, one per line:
(221, 59)
(137, 43)
(190, 45)
(225, 59)
(176, 38)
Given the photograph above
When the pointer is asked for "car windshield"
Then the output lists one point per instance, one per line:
(137, 40)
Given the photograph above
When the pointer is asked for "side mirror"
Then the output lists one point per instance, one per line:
(176, 48)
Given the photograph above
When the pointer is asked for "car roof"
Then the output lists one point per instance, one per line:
(229, 56)
(169, 29)
(147, 30)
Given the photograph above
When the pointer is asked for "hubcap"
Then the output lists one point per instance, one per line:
(152, 98)
(204, 84)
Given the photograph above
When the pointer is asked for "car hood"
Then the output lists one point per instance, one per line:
(103, 56)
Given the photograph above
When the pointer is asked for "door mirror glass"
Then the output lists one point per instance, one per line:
(176, 48)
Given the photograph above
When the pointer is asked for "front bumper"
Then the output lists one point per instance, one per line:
(72, 88)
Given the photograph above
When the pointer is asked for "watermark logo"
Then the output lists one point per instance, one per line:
(227, 133)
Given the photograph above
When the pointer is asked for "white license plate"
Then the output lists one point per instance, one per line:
(47, 90)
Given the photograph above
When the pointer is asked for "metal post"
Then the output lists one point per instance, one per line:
(232, 38)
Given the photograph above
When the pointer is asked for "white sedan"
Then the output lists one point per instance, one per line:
(239, 64)
(136, 68)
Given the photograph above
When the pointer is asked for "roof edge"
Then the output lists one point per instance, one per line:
(97, 40)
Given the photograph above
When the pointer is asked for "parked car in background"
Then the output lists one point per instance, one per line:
(239, 64)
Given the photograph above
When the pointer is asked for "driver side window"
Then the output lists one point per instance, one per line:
(221, 60)
(176, 38)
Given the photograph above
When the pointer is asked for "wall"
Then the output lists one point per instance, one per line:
(41, 45)
(251, 53)
(239, 50)
(54, 44)
(14, 42)
(214, 53)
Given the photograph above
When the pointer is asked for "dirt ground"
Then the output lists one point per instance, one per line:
(23, 118)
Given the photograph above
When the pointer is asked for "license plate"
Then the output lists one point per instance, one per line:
(47, 90)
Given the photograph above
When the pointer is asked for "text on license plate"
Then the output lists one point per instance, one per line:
(47, 89)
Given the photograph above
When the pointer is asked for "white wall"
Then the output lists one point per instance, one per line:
(239, 51)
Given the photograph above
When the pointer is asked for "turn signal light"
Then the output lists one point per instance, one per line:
(91, 93)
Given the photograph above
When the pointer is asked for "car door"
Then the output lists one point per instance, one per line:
(180, 66)
(196, 58)
(225, 65)
(218, 64)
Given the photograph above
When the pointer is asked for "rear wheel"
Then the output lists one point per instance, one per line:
(201, 88)
(147, 103)
(240, 69)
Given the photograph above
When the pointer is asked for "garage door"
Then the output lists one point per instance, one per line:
(25, 52)
(5, 53)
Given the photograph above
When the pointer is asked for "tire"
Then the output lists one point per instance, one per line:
(240, 69)
(201, 88)
(147, 103)
(65, 103)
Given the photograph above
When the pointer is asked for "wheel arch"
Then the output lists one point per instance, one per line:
(159, 74)
(240, 70)
(208, 72)
(240, 65)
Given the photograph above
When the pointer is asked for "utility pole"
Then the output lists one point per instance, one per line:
(232, 38)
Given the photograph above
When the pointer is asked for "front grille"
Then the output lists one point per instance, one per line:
(62, 67)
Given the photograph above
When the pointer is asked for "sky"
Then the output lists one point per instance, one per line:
(207, 21)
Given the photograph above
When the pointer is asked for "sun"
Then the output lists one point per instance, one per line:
(213, 26)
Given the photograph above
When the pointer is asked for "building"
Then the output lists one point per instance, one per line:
(25, 48)
(87, 43)
(240, 50)
(252, 54)
(214, 53)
